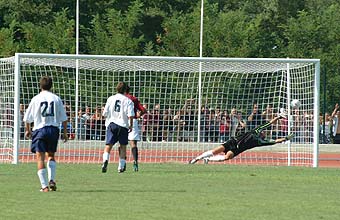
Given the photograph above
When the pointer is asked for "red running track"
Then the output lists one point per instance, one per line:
(153, 156)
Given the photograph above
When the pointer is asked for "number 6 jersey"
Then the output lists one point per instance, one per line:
(118, 109)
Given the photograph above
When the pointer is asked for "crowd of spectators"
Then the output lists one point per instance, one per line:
(216, 125)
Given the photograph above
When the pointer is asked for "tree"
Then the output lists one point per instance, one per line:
(117, 32)
(56, 37)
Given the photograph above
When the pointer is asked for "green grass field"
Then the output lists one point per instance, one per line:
(172, 191)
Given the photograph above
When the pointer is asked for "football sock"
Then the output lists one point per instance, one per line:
(51, 168)
(42, 178)
(106, 156)
(134, 152)
(217, 158)
(122, 163)
(205, 154)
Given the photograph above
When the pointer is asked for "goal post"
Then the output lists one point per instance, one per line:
(173, 88)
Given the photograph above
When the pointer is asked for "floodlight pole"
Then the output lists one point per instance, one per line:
(77, 70)
(200, 74)
(77, 27)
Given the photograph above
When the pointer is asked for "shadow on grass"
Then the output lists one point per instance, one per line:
(125, 191)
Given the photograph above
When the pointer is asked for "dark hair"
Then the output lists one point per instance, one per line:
(46, 83)
(121, 87)
(127, 89)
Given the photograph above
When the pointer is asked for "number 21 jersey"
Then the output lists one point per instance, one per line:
(45, 109)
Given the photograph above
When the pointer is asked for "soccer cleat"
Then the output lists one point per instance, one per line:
(283, 113)
(289, 137)
(104, 166)
(193, 161)
(135, 166)
(44, 189)
(206, 160)
(122, 170)
(52, 185)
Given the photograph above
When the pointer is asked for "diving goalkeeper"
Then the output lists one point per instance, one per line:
(241, 143)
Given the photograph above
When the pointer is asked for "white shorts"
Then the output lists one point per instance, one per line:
(134, 134)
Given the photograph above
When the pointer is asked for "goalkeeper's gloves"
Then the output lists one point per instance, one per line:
(289, 137)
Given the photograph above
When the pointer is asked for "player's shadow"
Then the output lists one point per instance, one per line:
(129, 191)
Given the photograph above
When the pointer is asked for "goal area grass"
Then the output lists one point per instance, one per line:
(172, 191)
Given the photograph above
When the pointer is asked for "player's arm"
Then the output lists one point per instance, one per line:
(105, 112)
(65, 136)
(62, 117)
(130, 114)
(141, 110)
(28, 119)
(28, 133)
(130, 123)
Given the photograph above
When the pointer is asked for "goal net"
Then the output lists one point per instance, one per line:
(194, 104)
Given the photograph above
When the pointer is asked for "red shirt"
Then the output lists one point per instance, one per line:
(136, 103)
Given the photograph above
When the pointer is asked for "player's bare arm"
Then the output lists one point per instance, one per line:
(28, 132)
(65, 136)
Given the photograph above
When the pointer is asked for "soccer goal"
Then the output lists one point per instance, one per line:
(193, 104)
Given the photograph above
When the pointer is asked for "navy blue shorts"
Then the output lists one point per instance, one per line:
(45, 139)
(116, 133)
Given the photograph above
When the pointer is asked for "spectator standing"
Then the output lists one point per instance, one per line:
(146, 121)
(236, 122)
(242, 124)
(166, 124)
(325, 128)
(155, 124)
(22, 123)
(255, 117)
(267, 115)
(204, 133)
(298, 126)
(225, 127)
(81, 133)
(214, 126)
(87, 116)
(336, 127)
(97, 125)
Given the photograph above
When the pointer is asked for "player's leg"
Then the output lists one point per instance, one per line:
(52, 144)
(51, 170)
(123, 141)
(220, 158)
(208, 153)
(42, 173)
(122, 158)
(39, 148)
(106, 157)
(134, 152)
(134, 137)
(111, 138)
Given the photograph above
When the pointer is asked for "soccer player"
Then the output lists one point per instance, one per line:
(134, 134)
(119, 113)
(46, 111)
(241, 143)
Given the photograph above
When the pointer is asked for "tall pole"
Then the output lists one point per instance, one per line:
(201, 29)
(77, 28)
(200, 74)
(77, 70)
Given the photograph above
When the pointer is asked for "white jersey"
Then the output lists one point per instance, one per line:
(118, 109)
(45, 109)
(134, 133)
